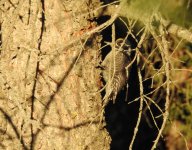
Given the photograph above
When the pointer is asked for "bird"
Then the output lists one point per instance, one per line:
(114, 71)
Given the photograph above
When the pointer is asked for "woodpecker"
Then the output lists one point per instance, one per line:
(114, 72)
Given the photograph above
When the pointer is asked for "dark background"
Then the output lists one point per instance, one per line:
(121, 117)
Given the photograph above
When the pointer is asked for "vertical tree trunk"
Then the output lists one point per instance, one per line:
(48, 76)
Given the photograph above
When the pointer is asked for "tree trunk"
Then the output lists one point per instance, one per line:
(48, 76)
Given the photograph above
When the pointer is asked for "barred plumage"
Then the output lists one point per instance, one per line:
(114, 72)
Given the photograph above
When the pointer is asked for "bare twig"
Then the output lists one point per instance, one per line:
(140, 110)
(163, 46)
(177, 30)
(141, 93)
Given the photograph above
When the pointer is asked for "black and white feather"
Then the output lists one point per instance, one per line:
(115, 73)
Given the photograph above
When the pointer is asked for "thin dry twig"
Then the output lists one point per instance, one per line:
(151, 114)
(140, 110)
(177, 30)
(141, 93)
(163, 46)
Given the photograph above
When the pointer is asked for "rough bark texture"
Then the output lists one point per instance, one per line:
(48, 76)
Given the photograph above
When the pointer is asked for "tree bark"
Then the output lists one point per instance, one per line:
(48, 76)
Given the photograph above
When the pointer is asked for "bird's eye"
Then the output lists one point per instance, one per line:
(121, 43)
